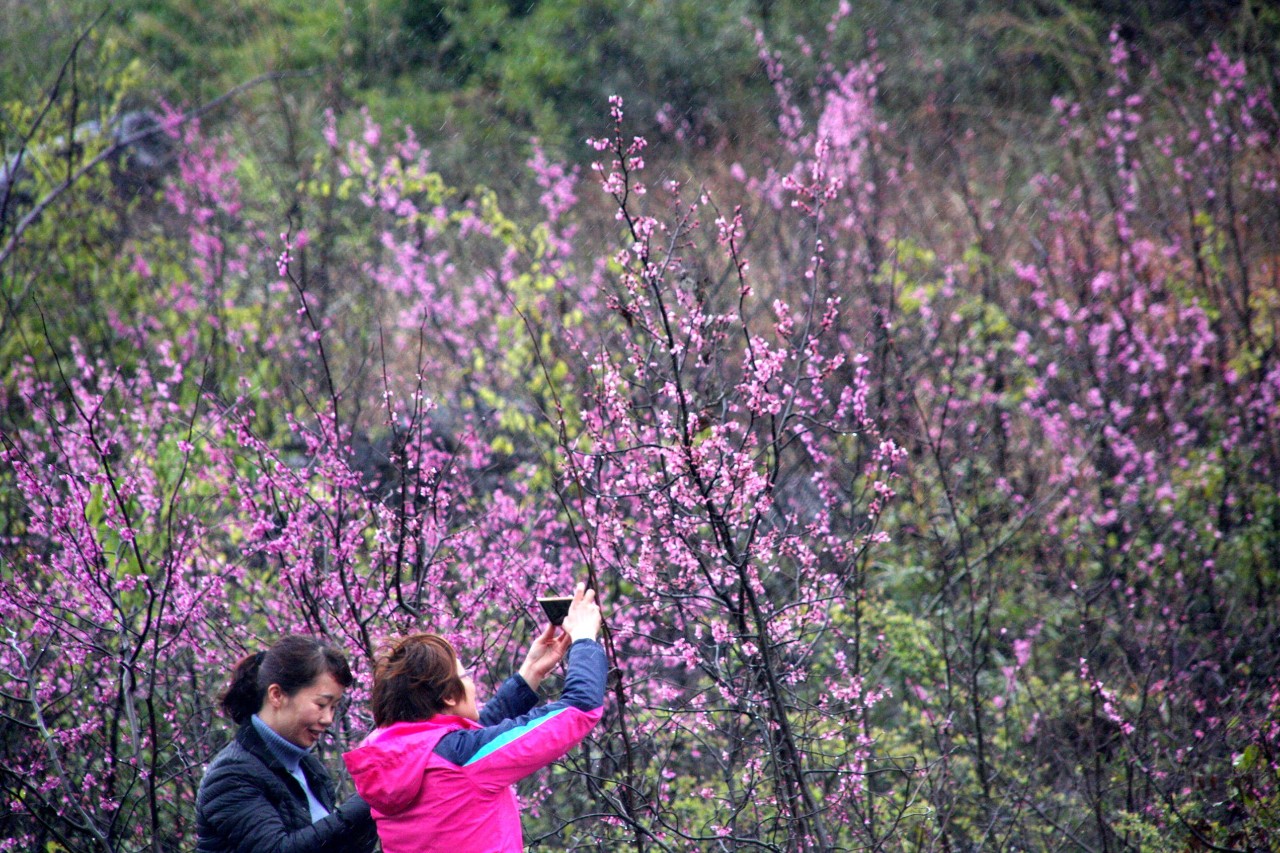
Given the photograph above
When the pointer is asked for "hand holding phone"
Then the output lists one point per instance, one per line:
(582, 622)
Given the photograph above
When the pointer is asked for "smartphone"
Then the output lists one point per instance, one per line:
(556, 607)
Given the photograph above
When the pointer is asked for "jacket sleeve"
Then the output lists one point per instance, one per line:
(513, 698)
(239, 811)
(500, 755)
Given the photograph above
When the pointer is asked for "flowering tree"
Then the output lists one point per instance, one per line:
(923, 520)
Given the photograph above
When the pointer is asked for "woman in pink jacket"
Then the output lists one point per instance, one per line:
(438, 771)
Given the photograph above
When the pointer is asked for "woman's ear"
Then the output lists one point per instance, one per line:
(275, 695)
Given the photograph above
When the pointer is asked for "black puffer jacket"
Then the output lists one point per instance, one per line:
(249, 803)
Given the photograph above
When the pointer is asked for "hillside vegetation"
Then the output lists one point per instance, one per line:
(906, 377)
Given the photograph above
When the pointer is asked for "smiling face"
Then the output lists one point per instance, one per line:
(303, 717)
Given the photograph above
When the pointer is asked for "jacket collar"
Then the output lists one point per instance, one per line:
(252, 742)
(397, 731)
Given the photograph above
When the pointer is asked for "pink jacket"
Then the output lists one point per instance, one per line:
(445, 784)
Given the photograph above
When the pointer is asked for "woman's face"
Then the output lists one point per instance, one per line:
(303, 717)
(466, 706)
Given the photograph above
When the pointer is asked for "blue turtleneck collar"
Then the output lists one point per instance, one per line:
(289, 754)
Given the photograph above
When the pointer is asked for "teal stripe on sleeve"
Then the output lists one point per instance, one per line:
(514, 734)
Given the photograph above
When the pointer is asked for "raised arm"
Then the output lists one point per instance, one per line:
(501, 754)
(519, 694)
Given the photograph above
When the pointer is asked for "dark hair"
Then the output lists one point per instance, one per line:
(294, 662)
(413, 678)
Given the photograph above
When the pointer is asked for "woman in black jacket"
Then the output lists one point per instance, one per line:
(265, 792)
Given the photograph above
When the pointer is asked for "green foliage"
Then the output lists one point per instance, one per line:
(485, 75)
(52, 292)
(963, 577)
